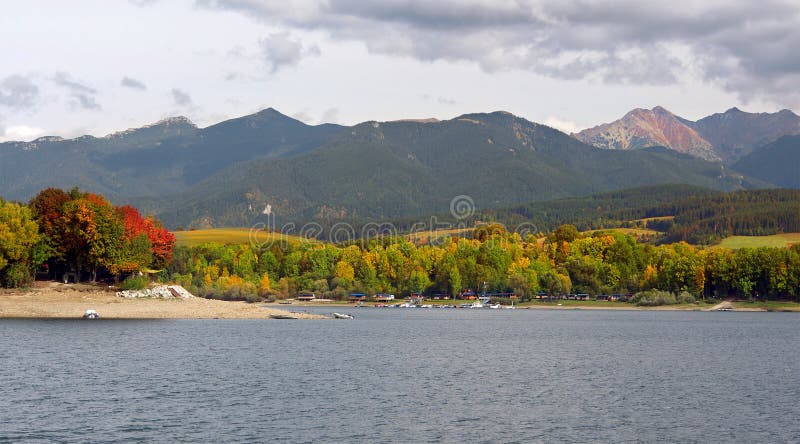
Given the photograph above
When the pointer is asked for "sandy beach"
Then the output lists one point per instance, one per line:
(54, 300)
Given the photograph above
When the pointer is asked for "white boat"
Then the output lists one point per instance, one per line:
(91, 314)
(476, 304)
(494, 306)
(342, 316)
(282, 316)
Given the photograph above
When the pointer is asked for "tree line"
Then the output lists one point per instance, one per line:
(83, 233)
(566, 261)
(80, 233)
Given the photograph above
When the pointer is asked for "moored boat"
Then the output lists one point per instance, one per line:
(91, 314)
(282, 316)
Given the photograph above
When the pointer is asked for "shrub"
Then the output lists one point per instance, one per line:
(686, 298)
(16, 275)
(252, 298)
(135, 283)
(653, 298)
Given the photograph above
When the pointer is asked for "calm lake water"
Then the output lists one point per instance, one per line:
(396, 375)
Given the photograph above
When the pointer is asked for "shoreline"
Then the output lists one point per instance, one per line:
(58, 301)
(576, 306)
(53, 300)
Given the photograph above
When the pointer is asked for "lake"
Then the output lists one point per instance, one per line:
(406, 375)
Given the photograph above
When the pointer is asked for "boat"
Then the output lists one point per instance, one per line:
(282, 316)
(493, 306)
(476, 304)
(342, 316)
(91, 314)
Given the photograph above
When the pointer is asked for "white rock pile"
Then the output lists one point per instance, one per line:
(160, 291)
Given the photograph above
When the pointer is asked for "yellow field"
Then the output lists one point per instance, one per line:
(776, 240)
(635, 232)
(424, 236)
(648, 219)
(232, 236)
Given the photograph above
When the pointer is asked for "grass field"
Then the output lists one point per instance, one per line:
(648, 219)
(769, 305)
(635, 232)
(232, 236)
(776, 240)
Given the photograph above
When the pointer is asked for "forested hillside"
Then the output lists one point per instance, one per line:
(391, 170)
(684, 213)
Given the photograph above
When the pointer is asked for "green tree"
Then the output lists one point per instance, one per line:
(19, 234)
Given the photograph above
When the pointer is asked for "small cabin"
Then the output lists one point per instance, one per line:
(467, 294)
(384, 297)
(357, 297)
(305, 296)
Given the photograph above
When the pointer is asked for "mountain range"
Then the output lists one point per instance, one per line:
(228, 173)
(725, 137)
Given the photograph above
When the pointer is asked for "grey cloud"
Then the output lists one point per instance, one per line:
(82, 95)
(18, 92)
(746, 47)
(181, 98)
(129, 82)
(280, 50)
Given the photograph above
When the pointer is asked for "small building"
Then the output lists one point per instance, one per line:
(305, 296)
(467, 294)
(384, 297)
(357, 297)
(503, 295)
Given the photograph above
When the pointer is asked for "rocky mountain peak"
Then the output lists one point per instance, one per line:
(642, 128)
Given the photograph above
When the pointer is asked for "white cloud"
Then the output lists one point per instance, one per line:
(562, 125)
(331, 115)
(22, 132)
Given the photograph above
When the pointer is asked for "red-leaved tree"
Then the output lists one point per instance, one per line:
(161, 240)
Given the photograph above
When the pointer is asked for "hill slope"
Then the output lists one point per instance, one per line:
(154, 160)
(402, 169)
(736, 133)
(778, 162)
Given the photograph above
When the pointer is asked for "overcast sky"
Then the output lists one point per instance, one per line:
(93, 67)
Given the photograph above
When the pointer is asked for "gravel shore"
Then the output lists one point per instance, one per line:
(54, 300)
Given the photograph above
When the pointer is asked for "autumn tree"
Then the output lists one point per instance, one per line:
(19, 234)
